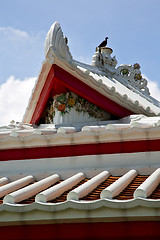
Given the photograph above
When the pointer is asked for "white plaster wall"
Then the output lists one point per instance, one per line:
(116, 164)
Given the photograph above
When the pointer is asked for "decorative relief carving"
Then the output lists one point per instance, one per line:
(56, 44)
(74, 107)
(106, 63)
(133, 75)
(103, 59)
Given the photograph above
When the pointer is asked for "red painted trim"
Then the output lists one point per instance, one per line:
(58, 80)
(85, 91)
(44, 96)
(81, 231)
(80, 150)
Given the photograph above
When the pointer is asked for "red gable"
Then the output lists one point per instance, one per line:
(60, 72)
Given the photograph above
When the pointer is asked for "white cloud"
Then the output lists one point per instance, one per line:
(21, 53)
(11, 32)
(154, 89)
(14, 97)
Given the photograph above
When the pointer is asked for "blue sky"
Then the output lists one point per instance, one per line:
(132, 27)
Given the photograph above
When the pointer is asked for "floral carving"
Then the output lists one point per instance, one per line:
(137, 77)
(66, 101)
(61, 107)
(124, 72)
(136, 66)
(71, 102)
(134, 77)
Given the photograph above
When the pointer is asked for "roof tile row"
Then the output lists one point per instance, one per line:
(90, 195)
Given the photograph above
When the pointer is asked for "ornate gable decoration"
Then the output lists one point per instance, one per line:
(71, 108)
(119, 91)
(131, 74)
(56, 45)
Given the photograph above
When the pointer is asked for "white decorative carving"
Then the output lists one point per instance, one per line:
(102, 73)
(72, 117)
(71, 108)
(103, 59)
(56, 44)
(133, 75)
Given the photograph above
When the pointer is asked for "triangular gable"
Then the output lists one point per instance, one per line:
(58, 81)
(61, 73)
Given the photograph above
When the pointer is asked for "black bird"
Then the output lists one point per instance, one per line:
(66, 40)
(104, 43)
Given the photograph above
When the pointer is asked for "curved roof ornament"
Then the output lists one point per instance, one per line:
(56, 44)
(120, 91)
(134, 77)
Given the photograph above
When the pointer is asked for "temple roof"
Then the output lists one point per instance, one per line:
(106, 166)
(121, 91)
(101, 170)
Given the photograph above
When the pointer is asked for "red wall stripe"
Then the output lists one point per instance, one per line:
(80, 150)
(84, 231)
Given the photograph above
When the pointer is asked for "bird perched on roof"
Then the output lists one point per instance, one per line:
(104, 43)
(66, 40)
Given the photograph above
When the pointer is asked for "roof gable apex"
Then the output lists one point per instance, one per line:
(60, 72)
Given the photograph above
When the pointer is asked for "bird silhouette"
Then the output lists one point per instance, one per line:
(66, 40)
(104, 43)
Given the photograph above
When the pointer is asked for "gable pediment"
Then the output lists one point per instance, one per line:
(68, 107)
(102, 85)
(60, 81)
